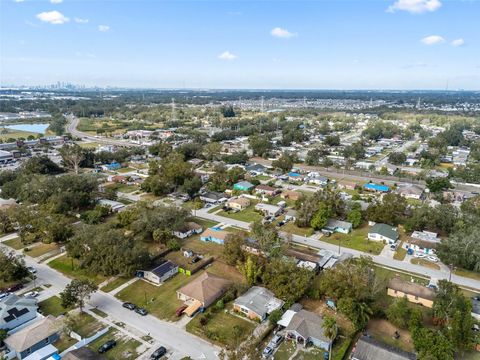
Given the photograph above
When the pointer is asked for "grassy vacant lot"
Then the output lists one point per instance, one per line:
(467, 273)
(291, 228)
(88, 145)
(248, 215)
(426, 263)
(15, 134)
(203, 247)
(71, 268)
(125, 170)
(160, 301)
(84, 324)
(15, 243)
(222, 328)
(387, 274)
(112, 285)
(53, 306)
(41, 249)
(126, 347)
(357, 240)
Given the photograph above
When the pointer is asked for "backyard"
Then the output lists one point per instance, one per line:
(357, 240)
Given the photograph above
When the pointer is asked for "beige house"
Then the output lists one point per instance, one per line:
(415, 293)
(205, 289)
(238, 203)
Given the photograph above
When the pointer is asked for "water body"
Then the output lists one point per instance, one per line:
(35, 128)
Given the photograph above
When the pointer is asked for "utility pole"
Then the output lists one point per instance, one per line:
(173, 108)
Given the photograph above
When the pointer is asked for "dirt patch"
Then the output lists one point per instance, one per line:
(384, 331)
(320, 307)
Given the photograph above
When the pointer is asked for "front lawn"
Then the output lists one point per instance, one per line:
(467, 273)
(426, 263)
(71, 268)
(64, 343)
(160, 301)
(41, 249)
(248, 214)
(221, 328)
(357, 240)
(291, 228)
(15, 243)
(126, 348)
(84, 324)
(53, 306)
(400, 253)
(205, 222)
(112, 285)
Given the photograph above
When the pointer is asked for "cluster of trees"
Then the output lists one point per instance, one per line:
(223, 179)
(284, 162)
(12, 267)
(390, 210)
(397, 158)
(381, 129)
(355, 151)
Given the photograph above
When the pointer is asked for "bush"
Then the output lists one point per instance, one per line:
(220, 305)
(173, 245)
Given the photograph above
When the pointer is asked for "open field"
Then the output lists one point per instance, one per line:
(70, 268)
(15, 134)
(41, 249)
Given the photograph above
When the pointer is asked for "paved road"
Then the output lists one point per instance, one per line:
(172, 336)
(379, 259)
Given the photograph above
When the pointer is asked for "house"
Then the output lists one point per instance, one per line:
(305, 327)
(115, 206)
(265, 190)
(411, 191)
(255, 169)
(257, 303)
(15, 311)
(188, 229)
(318, 180)
(84, 353)
(368, 348)
(213, 197)
(215, 235)
(295, 177)
(240, 203)
(243, 186)
(111, 167)
(252, 246)
(476, 308)
(349, 185)
(161, 273)
(269, 210)
(205, 289)
(291, 195)
(415, 293)
(119, 179)
(383, 232)
(338, 226)
(36, 338)
(424, 242)
(376, 187)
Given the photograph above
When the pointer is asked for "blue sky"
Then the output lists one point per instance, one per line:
(360, 44)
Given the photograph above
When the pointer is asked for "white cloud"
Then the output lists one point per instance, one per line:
(432, 40)
(415, 6)
(227, 55)
(458, 42)
(56, 1)
(53, 17)
(18, 1)
(81, 21)
(103, 28)
(282, 33)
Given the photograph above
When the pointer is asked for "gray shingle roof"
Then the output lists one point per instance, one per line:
(309, 325)
(260, 300)
(371, 349)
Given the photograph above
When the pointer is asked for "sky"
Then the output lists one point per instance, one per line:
(336, 44)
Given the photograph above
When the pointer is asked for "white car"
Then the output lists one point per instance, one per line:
(420, 255)
(432, 258)
(31, 294)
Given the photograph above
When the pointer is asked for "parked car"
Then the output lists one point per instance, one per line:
(195, 259)
(31, 269)
(110, 344)
(129, 306)
(420, 255)
(180, 310)
(281, 223)
(159, 353)
(432, 258)
(276, 341)
(15, 287)
(141, 311)
(3, 294)
(393, 247)
(31, 294)
(267, 352)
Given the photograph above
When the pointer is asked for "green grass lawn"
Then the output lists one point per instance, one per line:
(223, 329)
(285, 350)
(215, 208)
(426, 263)
(125, 170)
(400, 253)
(15, 134)
(126, 348)
(310, 354)
(248, 215)
(64, 343)
(387, 274)
(291, 228)
(53, 306)
(357, 240)
(467, 273)
(205, 222)
(99, 313)
(160, 301)
(15, 243)
(262, 177)
(84, 324)
(70, 267)
(88, 145)
(112, 285)
(41, 249)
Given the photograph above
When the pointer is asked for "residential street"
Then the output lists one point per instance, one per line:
(173, 337)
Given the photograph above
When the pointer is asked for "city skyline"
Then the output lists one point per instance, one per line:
(403, 44)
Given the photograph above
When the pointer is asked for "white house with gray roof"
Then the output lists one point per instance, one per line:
(383, 232)
(306, 327)
(15, 311)
(257, 303)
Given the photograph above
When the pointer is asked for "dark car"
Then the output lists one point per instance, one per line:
(180, 310)
(15, 287)
(141, 311)
(157, 354)
(129, 306)
(110, 344)
(195, 259)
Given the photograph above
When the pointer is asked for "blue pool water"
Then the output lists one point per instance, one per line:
(36, 128)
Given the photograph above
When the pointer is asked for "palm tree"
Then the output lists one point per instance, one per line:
(330, 330)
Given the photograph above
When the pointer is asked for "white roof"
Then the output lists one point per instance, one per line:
(286, 318)
(42, 353)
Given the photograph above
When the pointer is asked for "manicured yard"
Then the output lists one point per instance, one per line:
(426, 263)
(160, 301)
(53, 306)
(126, 348)
(222, 328)
(70, 267)
(41, 249)
(15, 243)
(112, 285)
(248, 215)
(357, 240)
(387, 274)
(290, 227)
(84, 324)
(467, 273)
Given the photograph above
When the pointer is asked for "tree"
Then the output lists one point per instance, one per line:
(192, 185)
(438, 184)
(320, 219)
(275, 316)
(227, 111)
(72, 155)
(355, 217)
(250, 269)
(12, 266)
(77, 293)
(399, 312)
(267, 238)
(212, 150)
(391, 210)
(461, 248)
(332, 140)
(330, 330)
(357, 312)
(260, 145)
(397, 158)
(232, 249)
(284, 163)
